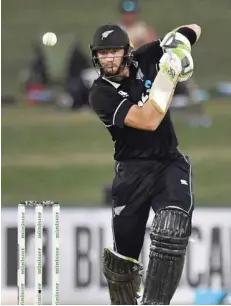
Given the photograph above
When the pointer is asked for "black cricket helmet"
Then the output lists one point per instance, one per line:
(111, 36)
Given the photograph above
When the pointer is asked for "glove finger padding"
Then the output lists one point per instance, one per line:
(171, 62)
(174, 40)
(187, 64)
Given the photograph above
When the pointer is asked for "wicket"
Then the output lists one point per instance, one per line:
(39, 251)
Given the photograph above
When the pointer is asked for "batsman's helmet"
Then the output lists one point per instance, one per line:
(111, 36)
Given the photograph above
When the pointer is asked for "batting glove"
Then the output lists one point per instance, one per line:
(174, 40)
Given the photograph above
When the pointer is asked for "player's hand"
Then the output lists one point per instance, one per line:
(170, 65)
(175, 40)
(178, 64)
(186, 63)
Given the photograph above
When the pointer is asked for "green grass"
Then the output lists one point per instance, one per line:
(72, 184)
(47, 154)
(213, 182)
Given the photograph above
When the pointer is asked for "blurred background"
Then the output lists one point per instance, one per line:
(55, 148)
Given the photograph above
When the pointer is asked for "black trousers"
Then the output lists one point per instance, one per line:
(139, 186)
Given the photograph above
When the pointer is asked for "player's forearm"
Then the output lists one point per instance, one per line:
(171, 70)
(142, 118)
(163, 86)
(148, 117)
(151, 116)
(154, 116)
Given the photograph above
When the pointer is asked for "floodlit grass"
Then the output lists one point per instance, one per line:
(47, 154)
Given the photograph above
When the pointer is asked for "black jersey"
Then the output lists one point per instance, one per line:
(112, 101)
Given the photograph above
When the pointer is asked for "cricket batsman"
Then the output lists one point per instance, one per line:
(132, 97)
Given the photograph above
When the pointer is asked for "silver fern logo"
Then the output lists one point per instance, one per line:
(106, 33)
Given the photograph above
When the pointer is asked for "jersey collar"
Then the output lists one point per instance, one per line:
(116, 85)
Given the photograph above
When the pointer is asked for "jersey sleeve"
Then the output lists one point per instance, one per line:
(151, 52)
(110, 107)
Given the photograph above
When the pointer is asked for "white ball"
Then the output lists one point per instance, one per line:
(49, 39)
